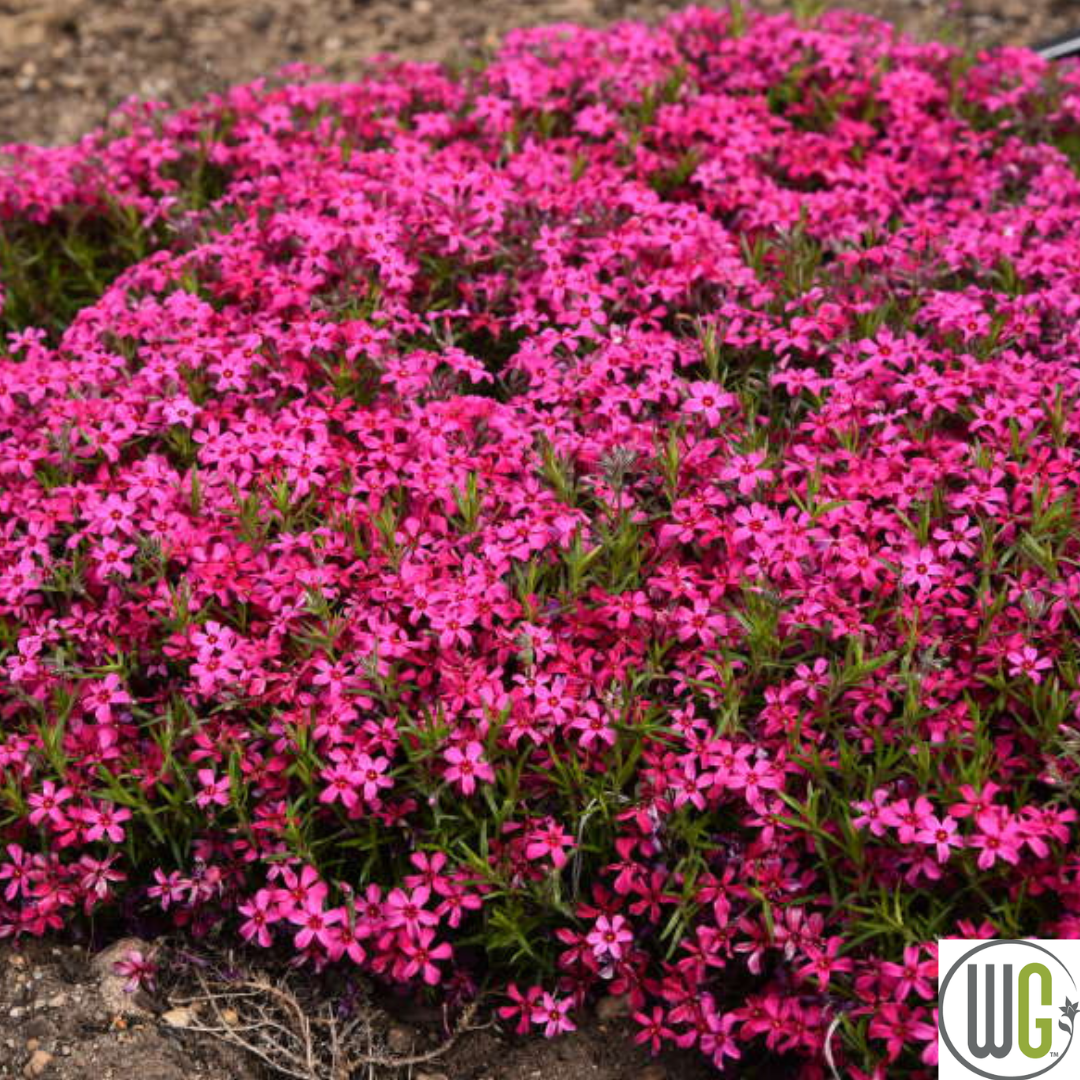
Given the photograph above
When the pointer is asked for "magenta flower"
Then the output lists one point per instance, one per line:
(467, 766)
(653, 1031)
(871, 813)
(920, 568)
(609, 937)
(549, 841)
(1028, 663)
(421, 955)
(999, 837)
(261, 913)
(709, 401)
(822, 964)
(105, 821)
(408, 910)
(553, 1015)
(941, 834)
(369, 773)
(315, 922)
(522, 1008)
(18, 872)
(895, 1025)
(300, 891)
(977, 803)
(909, 819)
(97, 878)
(745, 469)
(46, 804)
(215, 790)
(138, 969)
(913, 974)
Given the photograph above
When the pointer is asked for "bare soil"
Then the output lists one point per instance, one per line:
(63, 1016)
(65, 63)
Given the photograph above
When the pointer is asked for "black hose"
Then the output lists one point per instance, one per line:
(1060, 48)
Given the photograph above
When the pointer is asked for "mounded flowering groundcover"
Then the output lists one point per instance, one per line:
(601, 523)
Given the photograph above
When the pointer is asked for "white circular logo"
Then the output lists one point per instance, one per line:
(1007, 1010)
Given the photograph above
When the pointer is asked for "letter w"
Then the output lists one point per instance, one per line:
(989, 1047)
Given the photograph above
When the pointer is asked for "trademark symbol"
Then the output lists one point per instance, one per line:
(1053, 1053)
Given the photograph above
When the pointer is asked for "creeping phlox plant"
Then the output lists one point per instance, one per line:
(601, 523)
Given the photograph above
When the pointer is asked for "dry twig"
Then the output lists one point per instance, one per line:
(267, 1020)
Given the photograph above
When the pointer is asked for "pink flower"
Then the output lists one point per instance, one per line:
(1000, 837)
(104, 822)
(467, 766)
(45, 805)
(895, 1025)
(1040, 824)
(717, 1038)
(138, 969)
(1027, 662)
(593, 728)
(407, 910)
(114, 514)
(976, 803)
(909, 819)
(920, 568)
(913, 974)
(747, 470)
(421, 955)
(369, 773)
(96, 879)
(115, 558)
(553, 1015)
(522, 1008)
(653, 1029)
(871, 814)
(345, 940)
(941, 834)
(631, 607)
(609, 937)
(341, 783)
(315, 922)
(101, 696)
(301, 890)
(709, 401)
(961, 538)
(926, 1031)
(549, 841)
(261, 912)
(822, 964)
(18, 873)
(215, 790)
(180, 410)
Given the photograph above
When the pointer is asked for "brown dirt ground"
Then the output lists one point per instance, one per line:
(60, 1021)
(63, 65)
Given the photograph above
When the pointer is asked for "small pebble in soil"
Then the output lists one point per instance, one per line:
(38, 1063)
(612, 1007)
(177, 1018)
